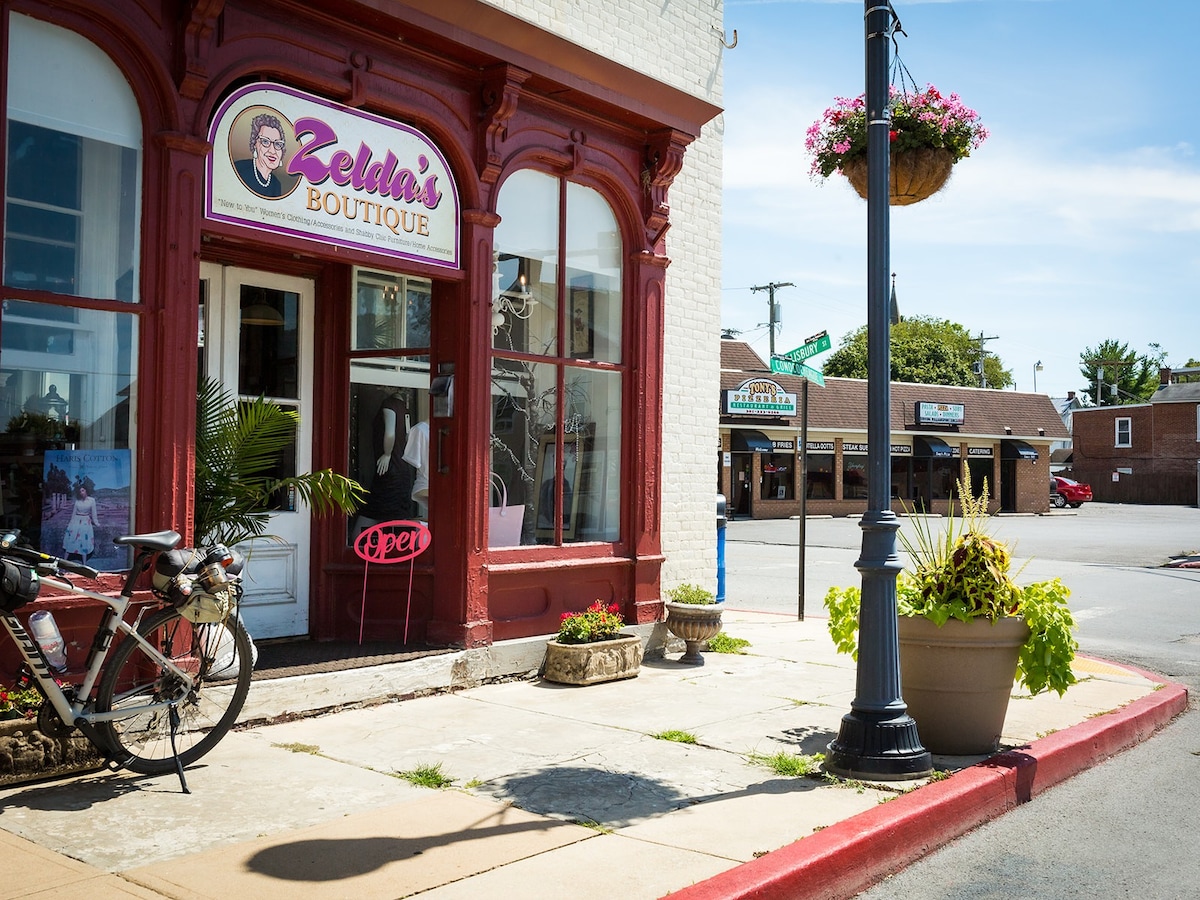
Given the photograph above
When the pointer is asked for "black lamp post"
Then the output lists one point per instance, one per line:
(878, 738)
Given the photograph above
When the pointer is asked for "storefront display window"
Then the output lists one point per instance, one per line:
(557, 378)
(71, 229)
(820, 476)
(389, 397)
(900, 478)
(980, 471)
(73, 168)
(943, 475)
(778, 477)
(67, 392)
(854, 478)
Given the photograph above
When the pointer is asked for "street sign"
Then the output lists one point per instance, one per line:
(792, 367)
(819, 344)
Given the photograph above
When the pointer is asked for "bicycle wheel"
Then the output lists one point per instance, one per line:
(218, 657)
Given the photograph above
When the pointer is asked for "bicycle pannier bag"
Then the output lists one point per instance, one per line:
(504, 521)
(18, 585)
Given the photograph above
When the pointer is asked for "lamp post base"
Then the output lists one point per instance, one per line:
(878, 747)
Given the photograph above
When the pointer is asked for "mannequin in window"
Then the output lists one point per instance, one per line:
(416, 454)
(391, 484)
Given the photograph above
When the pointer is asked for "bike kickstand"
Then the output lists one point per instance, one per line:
(173, 718)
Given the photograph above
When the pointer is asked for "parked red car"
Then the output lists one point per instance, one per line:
(1066, 491)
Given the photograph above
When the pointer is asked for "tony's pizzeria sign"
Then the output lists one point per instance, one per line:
(291, 163)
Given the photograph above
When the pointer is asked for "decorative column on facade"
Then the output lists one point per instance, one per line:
(664, 160)
(167, 344)
(460, 607)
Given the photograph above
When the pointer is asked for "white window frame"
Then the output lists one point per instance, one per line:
(1128, 431)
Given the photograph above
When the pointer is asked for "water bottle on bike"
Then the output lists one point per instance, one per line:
(45, 631)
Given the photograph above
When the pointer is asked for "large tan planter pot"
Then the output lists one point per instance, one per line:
(957, 680)
(595, 662)
(694, 623)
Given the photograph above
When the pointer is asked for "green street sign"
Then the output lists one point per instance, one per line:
(791, 367)
(820, 344)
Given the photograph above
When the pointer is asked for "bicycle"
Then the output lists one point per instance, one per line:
(174, 685)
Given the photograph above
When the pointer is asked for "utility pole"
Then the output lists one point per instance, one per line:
(983, 340)
(772, 319)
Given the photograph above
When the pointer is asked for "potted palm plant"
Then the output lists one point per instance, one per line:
(967, 631)
(590, 648)
(694, 615)
(929, 132)
(238, 446)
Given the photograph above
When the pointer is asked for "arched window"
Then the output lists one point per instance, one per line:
(71, 230)
(557, 363)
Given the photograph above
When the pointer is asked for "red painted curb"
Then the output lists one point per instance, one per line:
(844, 859)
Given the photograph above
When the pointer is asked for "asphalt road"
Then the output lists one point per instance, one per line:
(1128, 827)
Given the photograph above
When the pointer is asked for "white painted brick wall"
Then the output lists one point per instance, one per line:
(680, 44)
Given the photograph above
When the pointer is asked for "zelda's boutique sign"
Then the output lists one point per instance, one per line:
(290, 163)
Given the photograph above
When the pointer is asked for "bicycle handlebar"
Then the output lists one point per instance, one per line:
(8, 547)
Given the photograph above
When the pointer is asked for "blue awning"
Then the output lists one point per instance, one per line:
(928, 446)
(743, 440)
(1017, 450)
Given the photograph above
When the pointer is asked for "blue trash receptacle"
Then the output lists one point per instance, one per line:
(721, 548)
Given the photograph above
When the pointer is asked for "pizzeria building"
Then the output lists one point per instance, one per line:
(773, 452)
(437, 232)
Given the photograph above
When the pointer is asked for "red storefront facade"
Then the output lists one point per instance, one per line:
(537, 311)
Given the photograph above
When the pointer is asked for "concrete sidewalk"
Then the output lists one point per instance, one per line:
(557, 791)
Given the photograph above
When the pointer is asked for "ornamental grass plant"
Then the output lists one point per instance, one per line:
(963, 573)
(925, 119)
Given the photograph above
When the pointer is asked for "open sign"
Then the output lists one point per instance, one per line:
(393, 542)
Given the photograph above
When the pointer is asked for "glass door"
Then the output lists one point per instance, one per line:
(256, 339)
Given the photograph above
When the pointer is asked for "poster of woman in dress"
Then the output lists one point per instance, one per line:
(85, 504)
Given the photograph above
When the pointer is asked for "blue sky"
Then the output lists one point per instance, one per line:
(1077, 221)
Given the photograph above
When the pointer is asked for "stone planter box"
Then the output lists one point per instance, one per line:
(595, 662)
(28, 755)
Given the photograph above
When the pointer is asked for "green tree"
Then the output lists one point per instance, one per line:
(924, 350)
(1117, 375)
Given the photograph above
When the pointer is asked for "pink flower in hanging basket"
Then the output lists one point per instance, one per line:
(922, 120)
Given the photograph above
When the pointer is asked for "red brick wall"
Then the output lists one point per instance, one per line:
(1163, 454)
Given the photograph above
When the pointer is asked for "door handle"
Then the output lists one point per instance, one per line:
(441, 465)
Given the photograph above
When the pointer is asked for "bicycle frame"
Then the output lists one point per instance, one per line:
(73, 712)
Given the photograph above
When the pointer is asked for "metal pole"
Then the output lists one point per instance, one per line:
(803, 494)
(878, 738)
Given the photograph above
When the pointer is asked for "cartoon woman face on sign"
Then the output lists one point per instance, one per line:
(259, 142)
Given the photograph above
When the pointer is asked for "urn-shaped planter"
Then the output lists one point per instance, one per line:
(594, 662)
(694, 623)
(957, 679)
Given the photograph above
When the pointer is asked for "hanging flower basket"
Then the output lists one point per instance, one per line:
(928, 133)
(914, 175)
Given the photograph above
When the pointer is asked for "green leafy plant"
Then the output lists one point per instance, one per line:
(596, 623)
(963, 573)
(723, 643)
(691, 594)
(20, 701)
(919, 119)
(238, 448)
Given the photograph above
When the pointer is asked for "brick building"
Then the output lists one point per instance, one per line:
(1143, 452)
(1001, 436)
